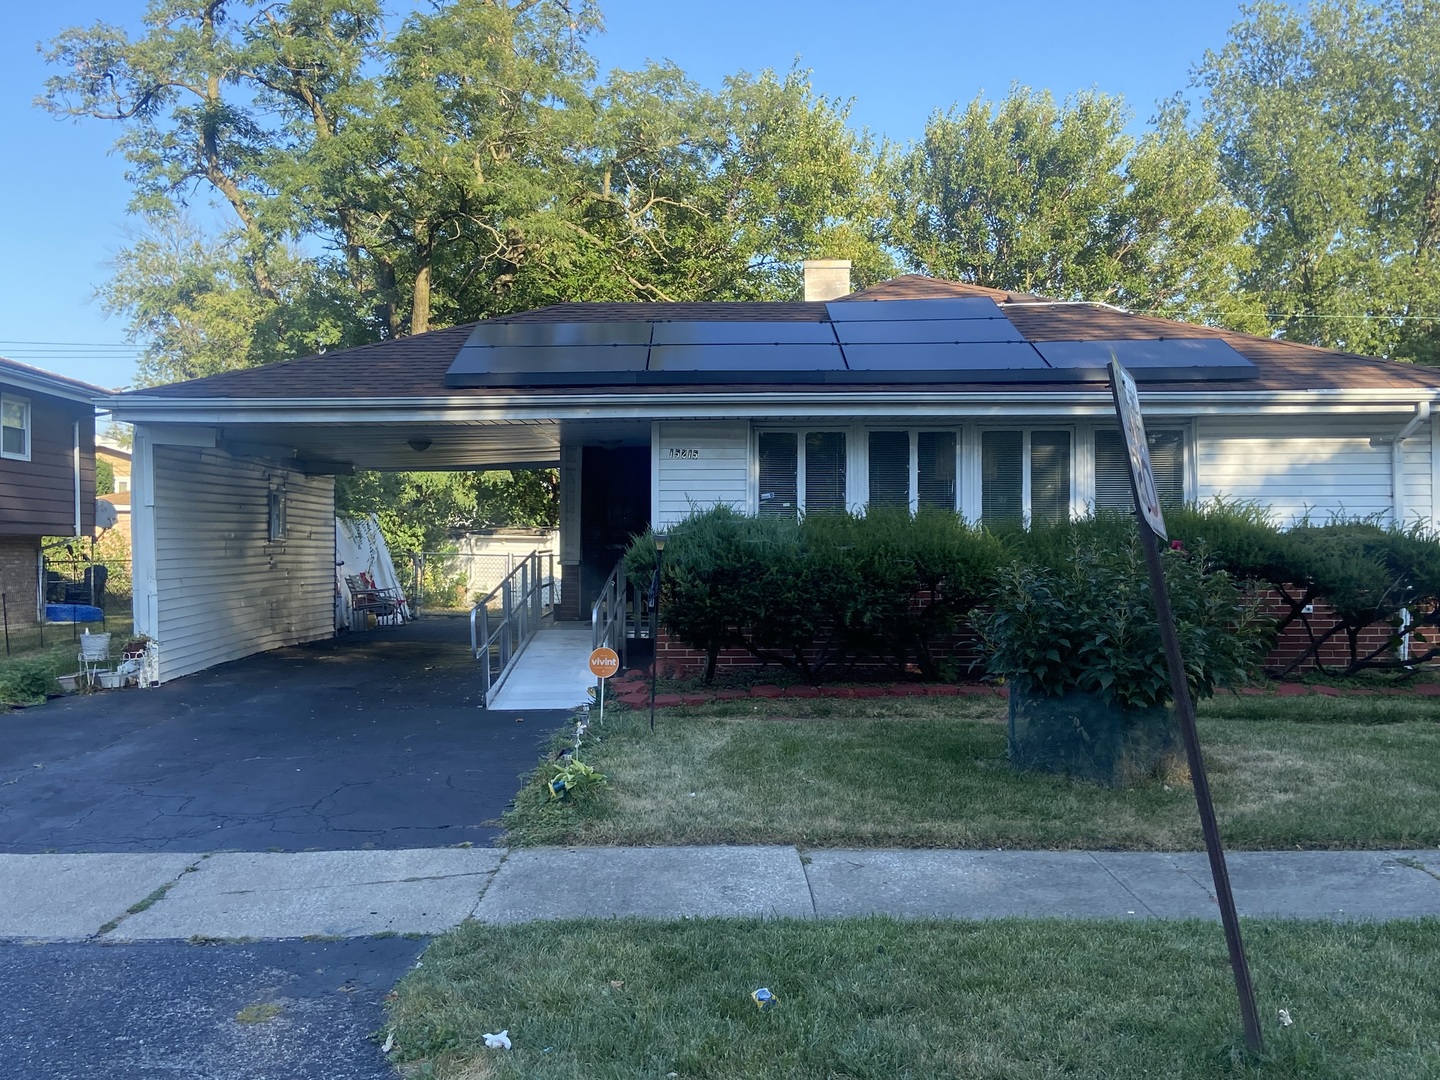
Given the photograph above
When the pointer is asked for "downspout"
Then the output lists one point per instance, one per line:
(77, 478)
(1397, 490)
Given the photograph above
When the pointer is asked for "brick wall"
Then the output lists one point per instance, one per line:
(19, 572)
(965, 649)
(1295, 640)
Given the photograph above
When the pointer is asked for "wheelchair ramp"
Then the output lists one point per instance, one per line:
(552, 673)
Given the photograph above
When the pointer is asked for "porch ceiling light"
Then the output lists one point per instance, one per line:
(419, 445)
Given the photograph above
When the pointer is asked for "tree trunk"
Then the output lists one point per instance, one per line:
(420, 303)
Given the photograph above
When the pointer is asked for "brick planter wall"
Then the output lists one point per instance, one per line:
(678, 661)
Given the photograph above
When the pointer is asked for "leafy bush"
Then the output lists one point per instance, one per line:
(26, 682)
(822, 594)
(1083, 619)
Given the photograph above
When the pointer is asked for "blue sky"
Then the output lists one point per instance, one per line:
(65, 193)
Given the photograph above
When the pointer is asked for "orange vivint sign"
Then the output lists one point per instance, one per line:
(604, 662)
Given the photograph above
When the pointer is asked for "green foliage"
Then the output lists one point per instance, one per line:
(1086, 621)
(419, 511)
(1366, 573)
(1329, 129)
(26, 682)
(822, 594)
(1035, 196)
(104, 477)
(573, 779)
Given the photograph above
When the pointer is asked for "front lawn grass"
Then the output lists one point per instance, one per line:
(876, 998)
(932, 772)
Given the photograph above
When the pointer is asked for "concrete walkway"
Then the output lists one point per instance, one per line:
(552, 673)
(157, 897)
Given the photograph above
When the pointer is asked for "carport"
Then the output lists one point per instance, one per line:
(234, 484)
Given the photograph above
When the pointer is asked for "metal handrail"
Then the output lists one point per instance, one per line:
(526, 597)
(607, 616)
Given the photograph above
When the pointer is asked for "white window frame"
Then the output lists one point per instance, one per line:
(914, 431)
(974, 505)
(1188, 466)
(29, 429)
(857, 459)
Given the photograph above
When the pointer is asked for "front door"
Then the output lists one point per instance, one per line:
(614, 506)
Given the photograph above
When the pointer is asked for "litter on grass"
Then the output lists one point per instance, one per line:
(498, 1042)
(1285, 1020)
(764, 999)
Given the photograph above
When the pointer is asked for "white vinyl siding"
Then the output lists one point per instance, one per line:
(698, 466)
(223, 589)
(1297, 467)
(1418, 504)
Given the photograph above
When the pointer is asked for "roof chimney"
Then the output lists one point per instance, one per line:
(826, 279)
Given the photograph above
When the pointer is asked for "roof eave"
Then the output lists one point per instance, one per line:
(139, 409)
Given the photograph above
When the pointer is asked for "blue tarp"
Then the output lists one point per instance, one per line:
(73, 613)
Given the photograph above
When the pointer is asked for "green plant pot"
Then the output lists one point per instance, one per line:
(1081, 735)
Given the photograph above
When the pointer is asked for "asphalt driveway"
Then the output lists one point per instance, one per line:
(372, 740)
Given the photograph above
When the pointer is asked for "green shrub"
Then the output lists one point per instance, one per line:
(26, 682)
(822, 594)
(1083, 619)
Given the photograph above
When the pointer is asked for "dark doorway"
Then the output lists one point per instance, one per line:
(614, 506)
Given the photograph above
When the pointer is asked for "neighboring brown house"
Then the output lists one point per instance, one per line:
(47, 475)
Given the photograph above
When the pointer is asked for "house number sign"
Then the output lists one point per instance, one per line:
(677, 453)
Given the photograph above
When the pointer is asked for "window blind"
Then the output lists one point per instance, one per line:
(1112, 469)
(890, 469)
(1001, 479)
(1049, 477)
(936, 453)
(824, 471)
(778, 488)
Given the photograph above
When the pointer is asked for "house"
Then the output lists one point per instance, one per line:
(47, 475)
(116, 454)
(915, 392)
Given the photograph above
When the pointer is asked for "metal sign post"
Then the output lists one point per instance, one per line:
(1151, 522)
(604, 662)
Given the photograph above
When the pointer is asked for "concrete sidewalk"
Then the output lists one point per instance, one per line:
(237, 895)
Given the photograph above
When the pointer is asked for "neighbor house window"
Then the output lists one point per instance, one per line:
(14, 427)
(1025, 477)
(277, 513)
(912, 469)
(801, 472)
(1112, 469)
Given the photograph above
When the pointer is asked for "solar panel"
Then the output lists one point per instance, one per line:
(559, 334)
(743, 333)
(746, 361)
(970, 307)
(958, 360)
(1164, 358)
(925, 331)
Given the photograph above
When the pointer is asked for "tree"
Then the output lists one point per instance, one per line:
(1329, 133)
(1034, 196)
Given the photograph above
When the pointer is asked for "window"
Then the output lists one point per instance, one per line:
(14, 427)
(277, 513)
(1025, 477)
(801, 472)
(1112, 469)
(912, 469)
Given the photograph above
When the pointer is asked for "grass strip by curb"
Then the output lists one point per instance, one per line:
(880, 998)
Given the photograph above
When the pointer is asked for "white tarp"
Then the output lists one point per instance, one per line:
(360, 549)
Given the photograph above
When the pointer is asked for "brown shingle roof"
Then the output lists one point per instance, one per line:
(415, 367)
